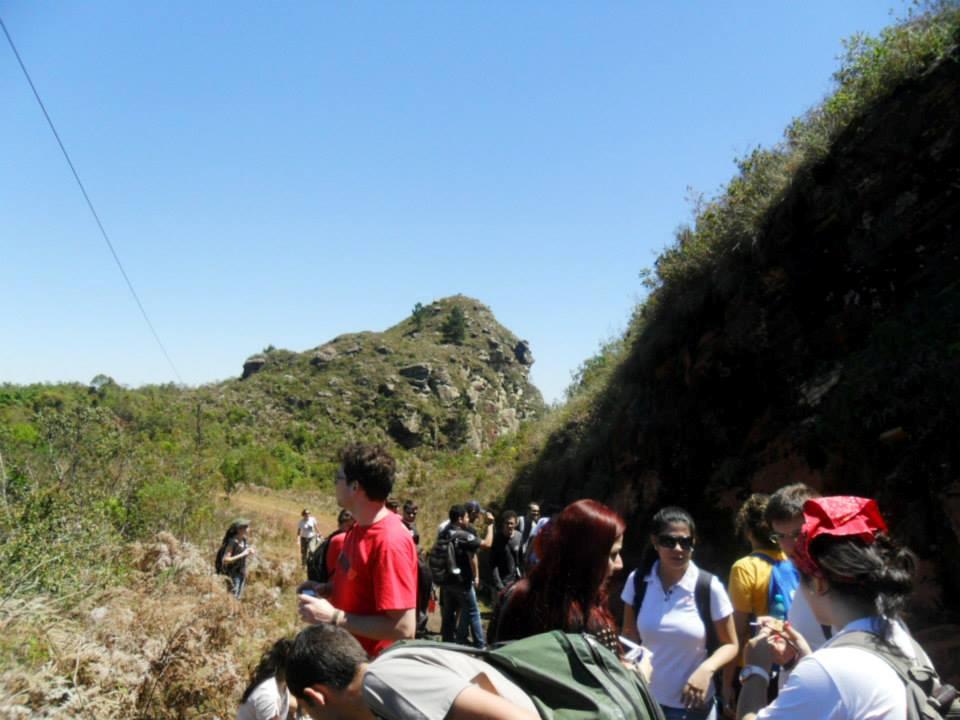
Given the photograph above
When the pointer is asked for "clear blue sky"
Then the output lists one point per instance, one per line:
(281, 173)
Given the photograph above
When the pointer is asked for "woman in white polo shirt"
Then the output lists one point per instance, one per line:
(668, 621)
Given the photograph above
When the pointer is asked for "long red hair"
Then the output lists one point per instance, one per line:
(567, 589)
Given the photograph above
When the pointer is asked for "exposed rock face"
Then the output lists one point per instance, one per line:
(523, 353)
(418, 388)
(253, 365)
(822, 350)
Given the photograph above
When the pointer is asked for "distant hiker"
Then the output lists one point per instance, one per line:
(460, 613)
(306, 532)
(505, 553)
(373, 593)
(762, 583)
(236, 550)
(329, 674)
(683, 615)
(424, 584)
(526, 525)
(410, 511)
(266, 696)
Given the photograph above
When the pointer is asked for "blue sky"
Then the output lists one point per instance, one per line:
(281, 173)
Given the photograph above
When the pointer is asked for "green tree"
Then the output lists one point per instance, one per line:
(455, 327)
(419, 312)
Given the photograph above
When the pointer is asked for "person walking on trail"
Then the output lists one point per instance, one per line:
(460, 613)
(330, 676)
(374, 590)
(306, 531)
(237, 550)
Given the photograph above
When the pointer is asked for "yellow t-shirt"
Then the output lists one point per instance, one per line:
(750, 583)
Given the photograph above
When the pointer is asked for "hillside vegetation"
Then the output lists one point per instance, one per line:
(112, 502)
(805, 328)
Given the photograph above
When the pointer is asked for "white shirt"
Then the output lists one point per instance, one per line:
(307, 528)
(265, 702)
(844, 683)
(670, 626)
(804, 621)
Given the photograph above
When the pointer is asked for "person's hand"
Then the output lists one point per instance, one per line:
(645, 666)
(476, 582)
(489, 517)
(694, 693)
(314, 610)
(318, 588)
(251, 550)
(787, 645)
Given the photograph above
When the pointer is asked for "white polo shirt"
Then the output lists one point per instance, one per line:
(670, 627)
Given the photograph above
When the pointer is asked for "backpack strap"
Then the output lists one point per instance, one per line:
(701, 596)
(927, 698)
(827, 631)
(639, 590)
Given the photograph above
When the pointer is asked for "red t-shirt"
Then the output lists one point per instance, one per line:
(333, 553)
(376, 572)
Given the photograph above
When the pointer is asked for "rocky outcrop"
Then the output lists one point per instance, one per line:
(822, 348)
(412, 384)
(253, 365)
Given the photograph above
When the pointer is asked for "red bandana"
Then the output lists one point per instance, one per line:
(840, 516)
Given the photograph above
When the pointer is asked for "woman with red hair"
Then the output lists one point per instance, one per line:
(579, 549)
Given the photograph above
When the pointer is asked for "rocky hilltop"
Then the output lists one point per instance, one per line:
(422, 382)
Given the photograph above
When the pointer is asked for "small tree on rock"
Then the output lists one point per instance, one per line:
(419, 312)
(454, 328)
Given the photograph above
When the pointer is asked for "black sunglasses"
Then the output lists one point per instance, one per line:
(671, 541)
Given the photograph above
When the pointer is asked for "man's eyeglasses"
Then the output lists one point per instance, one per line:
(777, 537)
(671, 541)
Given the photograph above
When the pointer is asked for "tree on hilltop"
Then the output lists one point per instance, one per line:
(454, 328)
(419, 312)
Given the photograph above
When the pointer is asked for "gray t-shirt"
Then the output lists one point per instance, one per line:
(421, 683)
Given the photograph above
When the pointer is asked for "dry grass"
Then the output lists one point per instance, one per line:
(173, 643)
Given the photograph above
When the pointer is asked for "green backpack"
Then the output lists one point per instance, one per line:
(927, 697)
(568, 677)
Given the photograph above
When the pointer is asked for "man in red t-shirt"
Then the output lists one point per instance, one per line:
(373, 594)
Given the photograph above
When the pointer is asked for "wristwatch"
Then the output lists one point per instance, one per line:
(750, 670)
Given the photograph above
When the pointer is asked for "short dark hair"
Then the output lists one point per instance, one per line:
(323, 655)
(787, 502)
(457, 512)
(507, 515)
(393, 504)
(370, 466)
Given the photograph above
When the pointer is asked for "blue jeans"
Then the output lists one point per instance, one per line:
(707, 713)
(238, 583)
(463, 602)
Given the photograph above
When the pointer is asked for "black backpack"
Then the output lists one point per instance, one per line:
(218, 561)
(317, 560)
(444, 570)
(927, 697)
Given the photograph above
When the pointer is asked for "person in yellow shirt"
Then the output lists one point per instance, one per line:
(749, 586)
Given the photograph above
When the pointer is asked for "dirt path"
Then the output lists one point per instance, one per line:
(282, 512)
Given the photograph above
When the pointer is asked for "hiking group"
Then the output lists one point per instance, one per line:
(808, 625)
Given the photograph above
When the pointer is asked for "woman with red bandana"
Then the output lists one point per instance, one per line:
(855, 578)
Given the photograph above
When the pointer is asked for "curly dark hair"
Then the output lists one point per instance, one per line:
(372, 467)
(751, 517)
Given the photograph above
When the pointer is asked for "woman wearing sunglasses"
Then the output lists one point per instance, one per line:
(665, 602)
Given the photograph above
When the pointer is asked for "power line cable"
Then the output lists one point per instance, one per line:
(93, 211)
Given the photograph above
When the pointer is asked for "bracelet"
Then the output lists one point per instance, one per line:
(754, 671)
